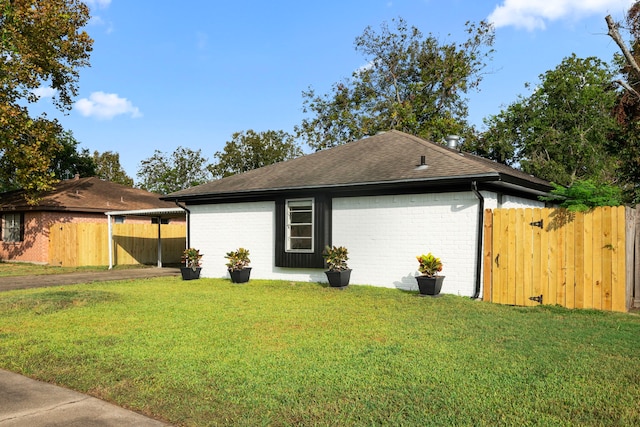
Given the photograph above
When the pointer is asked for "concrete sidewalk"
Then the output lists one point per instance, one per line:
(27, 402)
(40, 281)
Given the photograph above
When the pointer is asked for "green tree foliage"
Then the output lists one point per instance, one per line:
(412, 83)
(108, 168)
(584, 195)
(165, 174)
(561, 131)
(68, 162)
(41, 44)
(626, 143)
(251, 150)
(65, 163)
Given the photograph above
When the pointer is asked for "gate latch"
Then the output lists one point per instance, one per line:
(537, 224)
(537, 299)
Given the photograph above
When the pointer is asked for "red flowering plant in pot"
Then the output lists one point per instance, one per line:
(429, 283)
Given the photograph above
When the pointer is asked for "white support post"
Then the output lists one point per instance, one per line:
(110, 227)
(159, 242)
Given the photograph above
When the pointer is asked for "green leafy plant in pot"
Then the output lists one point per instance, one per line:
(191, 258)
(238, 265)
(338, 273)
(429, 283)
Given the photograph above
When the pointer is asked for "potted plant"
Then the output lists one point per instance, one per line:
(191, 258)
(429, 283)
(338, 272)
(238, 265)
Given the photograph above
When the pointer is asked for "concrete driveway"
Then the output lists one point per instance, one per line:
(40, 281)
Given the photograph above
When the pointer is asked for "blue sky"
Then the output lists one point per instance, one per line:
(191, 73)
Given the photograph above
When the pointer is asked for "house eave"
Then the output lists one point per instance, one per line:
(431, 184)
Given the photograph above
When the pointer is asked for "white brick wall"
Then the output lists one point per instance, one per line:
(519, 202)
(383, 234)
(218, 229)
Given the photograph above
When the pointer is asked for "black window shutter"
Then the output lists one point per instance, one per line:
(322, 233)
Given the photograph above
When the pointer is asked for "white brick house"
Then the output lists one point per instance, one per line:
(373, 196)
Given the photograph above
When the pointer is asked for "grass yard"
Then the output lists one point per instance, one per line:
(208, 352)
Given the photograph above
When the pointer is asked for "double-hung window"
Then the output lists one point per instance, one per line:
(299, 214)
(12, 227)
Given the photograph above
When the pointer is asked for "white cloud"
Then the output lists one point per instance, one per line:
(97, 21)
(534, 14)
(45, 92)
(98, 3)
(106, 106)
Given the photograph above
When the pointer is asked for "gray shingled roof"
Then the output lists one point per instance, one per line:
(390, 157)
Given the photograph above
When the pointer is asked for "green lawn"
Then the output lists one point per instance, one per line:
(208, 352)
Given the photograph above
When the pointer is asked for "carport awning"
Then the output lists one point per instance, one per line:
(160, 213)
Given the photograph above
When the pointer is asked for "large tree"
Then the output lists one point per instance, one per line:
(164, 174)
(69, 161)
(65, 163)
(627, 111)
(41, 44)
(251, 150)
(562, 130)
(412, 83)
(108, 168)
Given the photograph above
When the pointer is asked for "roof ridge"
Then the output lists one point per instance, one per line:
(457, 154)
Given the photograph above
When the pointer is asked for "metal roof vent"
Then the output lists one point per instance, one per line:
(423, 163)
(452, 141)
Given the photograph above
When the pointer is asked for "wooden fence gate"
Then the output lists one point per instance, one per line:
(552, 256)
(82, 244)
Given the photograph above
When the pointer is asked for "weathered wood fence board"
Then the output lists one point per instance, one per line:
(82, 244)
(577, 260)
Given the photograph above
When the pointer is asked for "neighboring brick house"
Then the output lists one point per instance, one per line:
(387, 198)
(24, 229)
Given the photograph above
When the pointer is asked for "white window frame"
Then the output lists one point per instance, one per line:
(299, 202)
(11, 227)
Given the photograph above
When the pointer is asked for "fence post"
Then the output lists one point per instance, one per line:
(633, 258)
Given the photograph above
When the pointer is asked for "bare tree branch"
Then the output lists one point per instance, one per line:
(615, 35)
(627, 87)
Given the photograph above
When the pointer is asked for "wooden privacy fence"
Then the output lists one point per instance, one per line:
(88, 244)
(552, 256)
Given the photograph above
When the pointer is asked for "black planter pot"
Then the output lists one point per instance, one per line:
(240, 276)
(430, 285)
(338, 279)
(189, 273)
